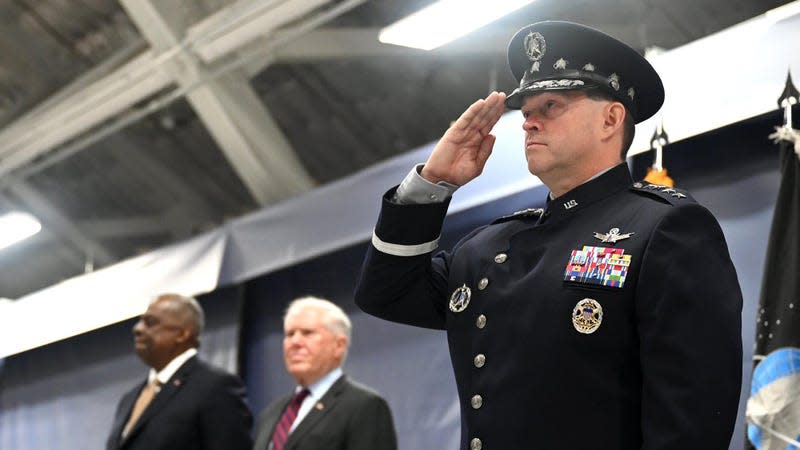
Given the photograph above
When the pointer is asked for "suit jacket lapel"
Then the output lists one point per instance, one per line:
(322, 408)
(269, 422)
(172, 386)
(125, 408)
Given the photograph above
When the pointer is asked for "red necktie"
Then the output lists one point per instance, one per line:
(281, 433)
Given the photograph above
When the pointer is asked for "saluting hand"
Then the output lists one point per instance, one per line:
(464, 148)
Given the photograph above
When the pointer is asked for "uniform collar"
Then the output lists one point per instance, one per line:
(609, 182)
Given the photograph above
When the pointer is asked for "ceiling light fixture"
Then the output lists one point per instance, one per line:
(16, 226)
(445, 21)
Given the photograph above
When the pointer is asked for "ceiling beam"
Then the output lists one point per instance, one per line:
(229, 29)
(229, 108)
(41, 130)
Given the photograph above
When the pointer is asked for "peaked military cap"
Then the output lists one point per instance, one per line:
(554, 55)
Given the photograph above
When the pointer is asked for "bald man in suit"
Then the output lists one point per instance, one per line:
(335, 413)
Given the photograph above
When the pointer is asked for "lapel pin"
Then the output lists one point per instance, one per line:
(319, 406)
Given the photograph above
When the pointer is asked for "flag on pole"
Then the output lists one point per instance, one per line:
(773, 409)
(657, 173)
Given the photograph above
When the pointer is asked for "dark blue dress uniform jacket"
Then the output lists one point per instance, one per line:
(662, 370)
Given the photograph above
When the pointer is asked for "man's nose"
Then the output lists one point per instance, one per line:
(531, 124)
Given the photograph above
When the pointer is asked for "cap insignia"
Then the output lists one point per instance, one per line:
(560, 64)
(589, 67)
(613, 80)
(549, 84)
(535, 66)
(631, 93)
(535, 46)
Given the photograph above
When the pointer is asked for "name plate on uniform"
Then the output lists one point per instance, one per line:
(601, 266)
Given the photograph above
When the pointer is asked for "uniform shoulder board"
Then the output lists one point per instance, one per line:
(671, 195)
(523, 214)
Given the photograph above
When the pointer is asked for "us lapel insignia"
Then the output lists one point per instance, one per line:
(460, 299)
(612, 236)
(587, 316)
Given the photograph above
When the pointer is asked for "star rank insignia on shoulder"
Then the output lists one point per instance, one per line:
(672, 195)
(523, 214)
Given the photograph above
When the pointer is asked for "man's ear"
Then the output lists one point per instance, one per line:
(341, 345)
(185, 335)
(613, 118)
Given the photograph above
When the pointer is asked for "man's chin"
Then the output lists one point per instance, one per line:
(141, 351)
(533, 169)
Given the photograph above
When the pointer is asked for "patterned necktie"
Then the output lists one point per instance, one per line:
(147, 394)
(281, 433)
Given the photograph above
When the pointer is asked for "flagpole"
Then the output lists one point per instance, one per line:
(657, 174)
(788, 99)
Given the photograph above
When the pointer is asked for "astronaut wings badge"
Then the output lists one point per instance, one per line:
(612, 236)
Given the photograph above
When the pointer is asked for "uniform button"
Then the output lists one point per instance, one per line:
(477, 401)
(475, 444)
(480, 360)
(433, 197)
(500, 258)
(481, 321)
(483, 283)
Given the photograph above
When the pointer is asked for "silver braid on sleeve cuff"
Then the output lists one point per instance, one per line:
(403, 250)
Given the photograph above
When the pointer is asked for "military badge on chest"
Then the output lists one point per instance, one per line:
(460, 299)
(587, 316)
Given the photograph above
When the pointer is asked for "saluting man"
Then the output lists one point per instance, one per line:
(611, 319)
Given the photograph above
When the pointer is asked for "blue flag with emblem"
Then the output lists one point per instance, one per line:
(773, 409)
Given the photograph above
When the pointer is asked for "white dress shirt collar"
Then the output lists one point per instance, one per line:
(169, 370)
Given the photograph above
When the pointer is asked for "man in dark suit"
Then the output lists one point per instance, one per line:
(185, 403)
(611, 319)
(327, 410)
